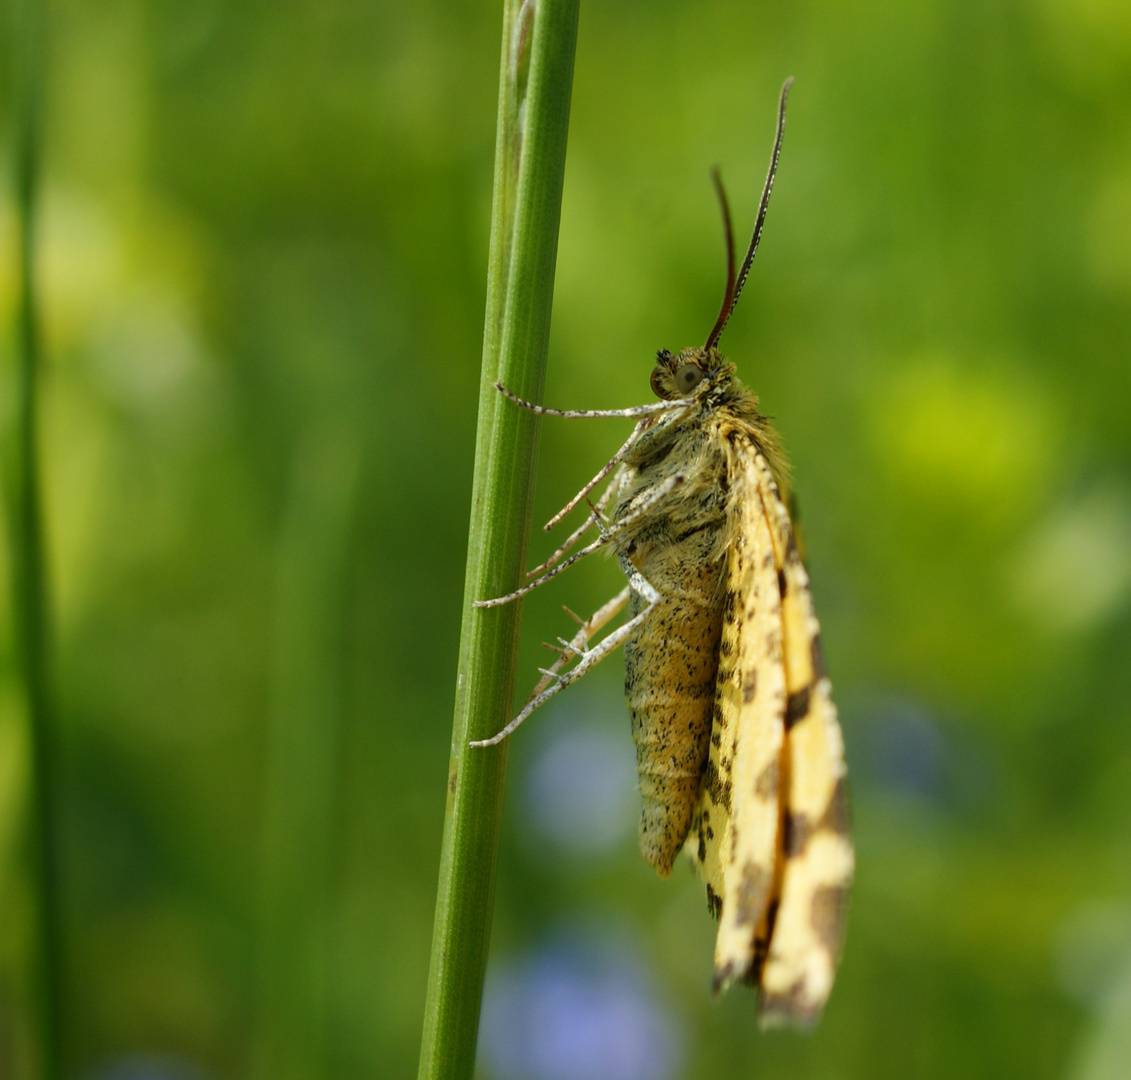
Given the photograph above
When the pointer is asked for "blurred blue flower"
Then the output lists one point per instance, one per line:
(900, 749)
(580, 1008)
(580, 790)
(909, 751)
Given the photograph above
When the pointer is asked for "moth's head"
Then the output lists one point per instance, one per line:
(681, 374)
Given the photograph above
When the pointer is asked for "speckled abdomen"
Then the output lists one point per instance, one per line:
(669, 681)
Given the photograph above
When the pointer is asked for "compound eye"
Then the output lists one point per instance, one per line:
(688, 377)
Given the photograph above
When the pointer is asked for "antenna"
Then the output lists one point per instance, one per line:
(730, 295)
(734, 288)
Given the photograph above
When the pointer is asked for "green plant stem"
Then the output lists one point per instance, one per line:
(29, 590)
(539, 37)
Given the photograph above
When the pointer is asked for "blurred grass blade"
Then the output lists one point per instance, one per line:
(534, 94)
(31, 630)
(303, 743)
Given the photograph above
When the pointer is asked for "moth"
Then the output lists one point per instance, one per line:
(739, 753)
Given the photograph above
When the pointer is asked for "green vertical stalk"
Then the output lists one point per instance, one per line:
(31, 628)
(539, 37)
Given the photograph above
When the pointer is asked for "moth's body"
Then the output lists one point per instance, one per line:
(671, 664)
(738, 749)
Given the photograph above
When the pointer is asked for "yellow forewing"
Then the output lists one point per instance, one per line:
(770, 832)
(817, 853)
(739, 818)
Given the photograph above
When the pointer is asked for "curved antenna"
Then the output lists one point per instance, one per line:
(759, 221)
(731, 293)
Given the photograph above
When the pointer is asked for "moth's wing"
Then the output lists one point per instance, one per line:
(709, 839)
(817, 864)
(739, 816)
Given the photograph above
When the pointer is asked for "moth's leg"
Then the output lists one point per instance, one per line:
(656, 495)
(639, 585)
(612, 463)
(646, 503)
(577, 556)
(576, 535)
(606, 537)
(598, 414)
(580, 640)
(589, 658)
(540, 693)
(581, 530)
(620, 478)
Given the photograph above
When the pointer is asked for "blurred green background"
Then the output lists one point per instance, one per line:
(264, 253)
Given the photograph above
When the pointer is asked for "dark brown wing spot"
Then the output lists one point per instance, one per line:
(714, 903)
(762, 944)
(750, 685)
(752, 893)
(715, 786)
(797, 706)
(771, 918)
(766, 786)
(835, 817)
(781, 582)
(796, 830)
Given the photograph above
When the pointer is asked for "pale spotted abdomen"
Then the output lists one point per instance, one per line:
(670, 670)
